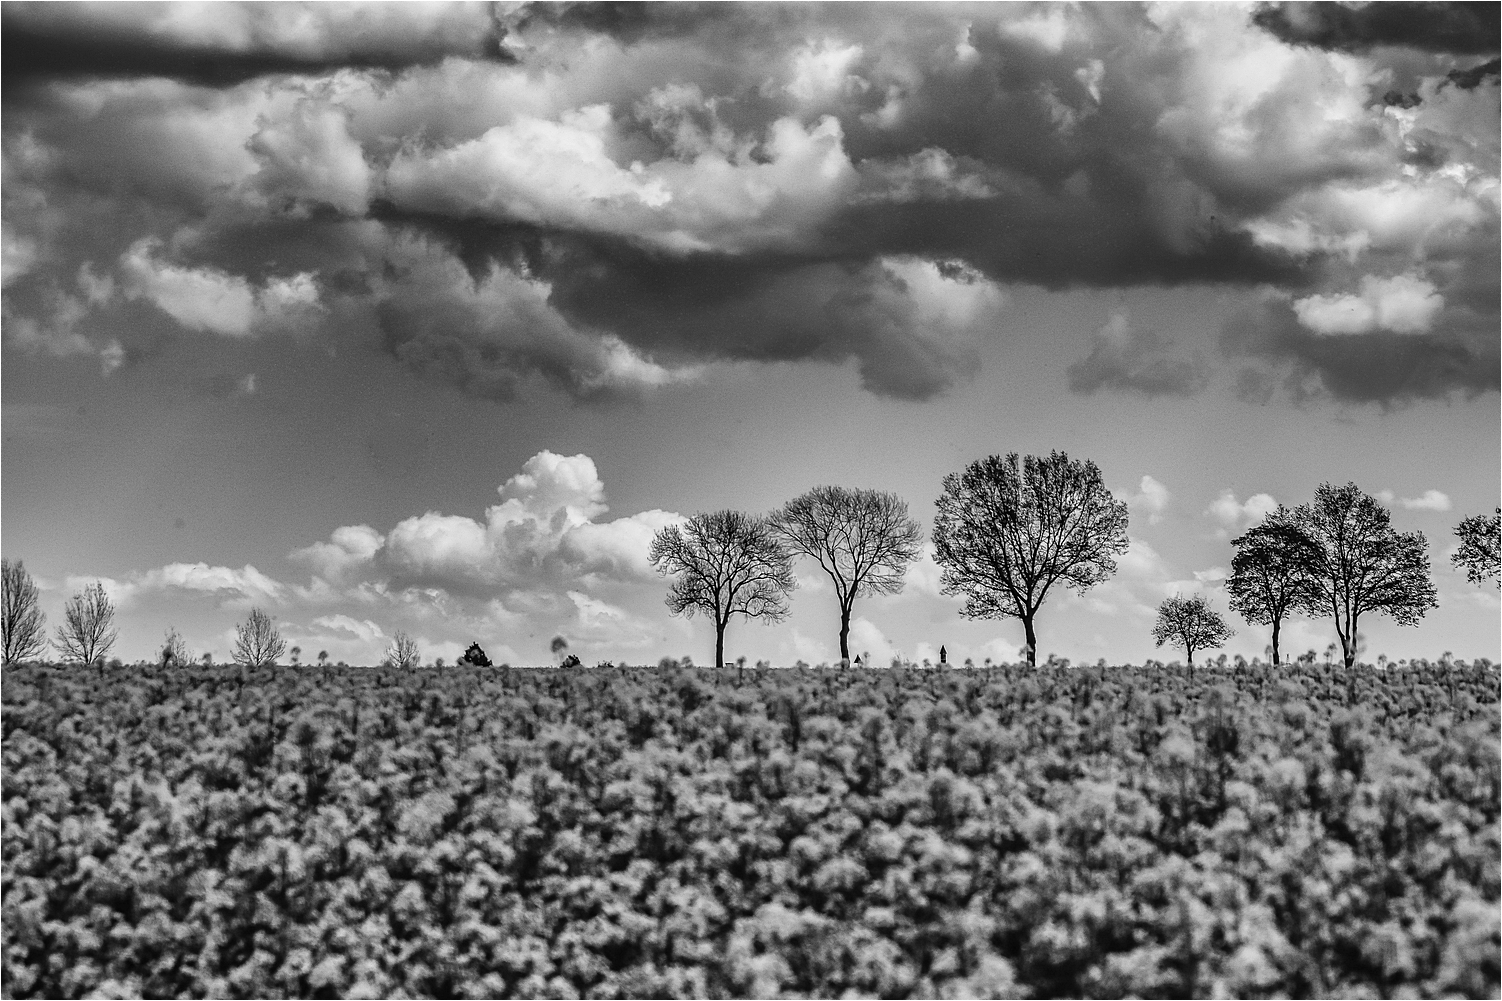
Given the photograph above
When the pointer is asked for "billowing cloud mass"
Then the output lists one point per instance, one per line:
(544, 533)
(608, 200)
(1233, 516)
(542, 559)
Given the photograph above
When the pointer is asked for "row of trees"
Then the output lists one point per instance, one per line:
(88, 633)
(1009, 531)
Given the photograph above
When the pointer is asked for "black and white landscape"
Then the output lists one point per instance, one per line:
(1064, 437)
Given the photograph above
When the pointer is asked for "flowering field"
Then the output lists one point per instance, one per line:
(655, 833)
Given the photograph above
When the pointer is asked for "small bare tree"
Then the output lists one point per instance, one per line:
(86, 634)
(403, 652)
(257, 643)
(1192, 624)
(22, 623)
(174, 649)
(863, 539)
(1480, 553)
(727, 563)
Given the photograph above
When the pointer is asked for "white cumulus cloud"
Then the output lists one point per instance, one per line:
(1234, 516)
(210, 300)
(1404, 304)
(1429, 500)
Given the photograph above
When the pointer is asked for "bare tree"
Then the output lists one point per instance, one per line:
(863, 539)
(257, 643)
(1008, 530)
(1361, 564)
(86, 634)
(727, 563)
(1270, 573)
(174, 649)
(1192, 624)
(22, 623)
(403, 652)
(1480, 553)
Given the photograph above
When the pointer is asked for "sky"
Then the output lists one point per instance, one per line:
(426, 317)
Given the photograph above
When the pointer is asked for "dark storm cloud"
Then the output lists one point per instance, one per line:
(1477, 75)
(1459, 28)
(1381, 367)
(43, 41)
(626, 21)
(656, 187)
(676, 310)
(1130, 360)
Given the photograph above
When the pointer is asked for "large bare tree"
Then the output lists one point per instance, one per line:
(257, 641)
(863, 539)
(1480, 552)
(1008, 530)
(23, 627)
(1270, 573)
(726, 563)
(1362, 564)
(87, 632)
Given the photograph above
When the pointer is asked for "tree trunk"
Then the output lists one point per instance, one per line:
(1347, 642)
(1350, 651)
(719, 642)
(1032, 641)
(845, 633)
(1277, 623)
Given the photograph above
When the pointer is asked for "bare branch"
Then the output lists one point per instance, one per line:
(1480, 553)
(1008, 530)
(726, 563)
(257, 642)
(863, 539)
(86, 635)
(1361, 564)
(403, 652)
(23, 627)
(1191, 623)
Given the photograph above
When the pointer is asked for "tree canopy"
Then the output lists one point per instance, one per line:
(725, 563)
(257, 641)
(87, 632)
(863, 539)
(1191, 623)
(23, 627)
(1270, 573)
(1480, 541)
(1360, 564)
(1008, 530)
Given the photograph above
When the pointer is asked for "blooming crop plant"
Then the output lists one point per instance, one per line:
(1298, 831)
